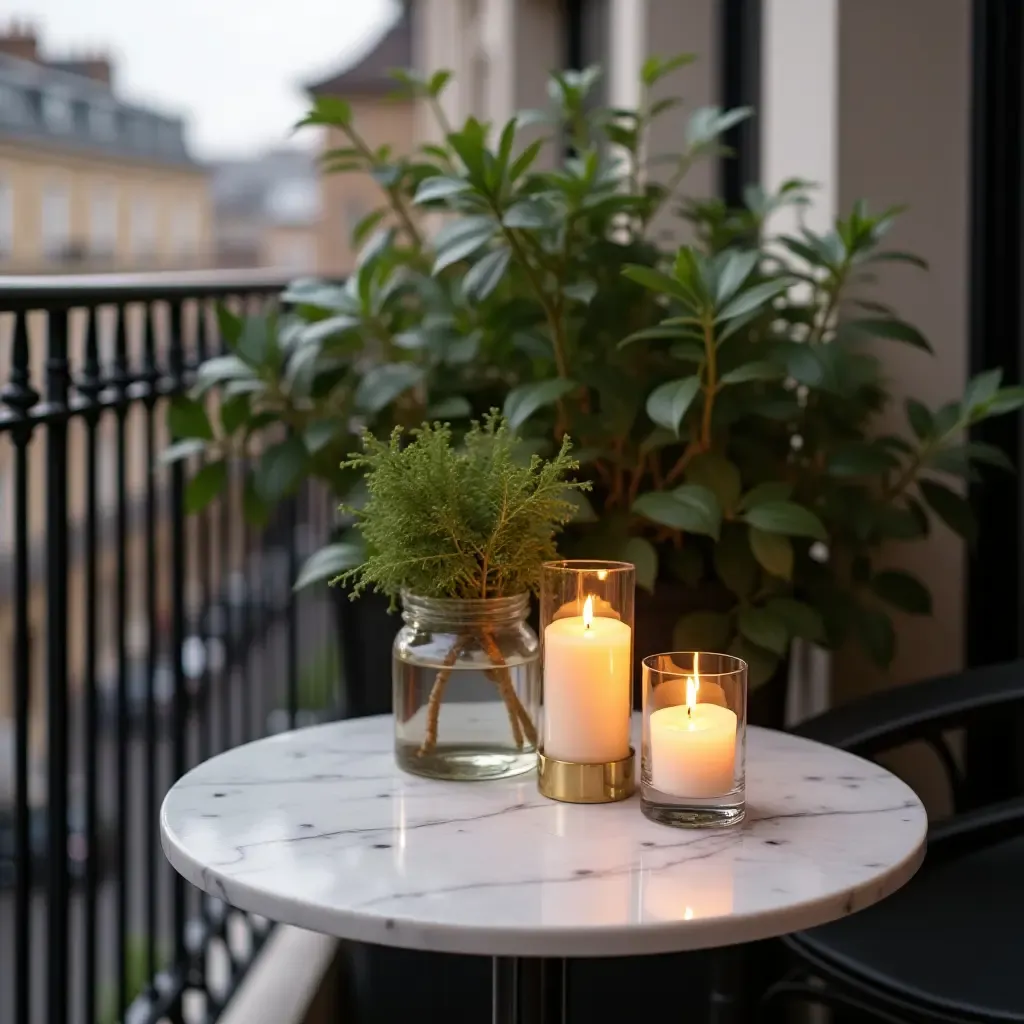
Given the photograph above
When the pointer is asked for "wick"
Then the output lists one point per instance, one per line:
(689, 711)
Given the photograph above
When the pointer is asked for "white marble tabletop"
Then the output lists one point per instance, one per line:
(319, 829)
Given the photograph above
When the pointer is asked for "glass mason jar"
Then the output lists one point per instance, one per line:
(466, 676)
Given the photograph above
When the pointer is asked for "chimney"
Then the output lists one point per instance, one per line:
(97, 66)
(20, 40)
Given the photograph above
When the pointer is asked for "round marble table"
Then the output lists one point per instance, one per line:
(319, 829)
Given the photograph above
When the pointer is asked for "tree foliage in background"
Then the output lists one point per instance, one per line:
(467, 522)
(725, 397)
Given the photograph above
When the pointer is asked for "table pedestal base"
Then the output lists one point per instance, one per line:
(529, 990)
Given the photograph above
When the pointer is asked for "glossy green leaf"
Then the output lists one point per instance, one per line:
(702, 631)
(668, 403)
(329, 327)
(524, 161)
(582, 291)
(256, 345)
(759, 370)
(641, 552)
(523, 401)
(220, 369)
(920, 419)
(860, 458)
(787, 518)
(952, 508)
(187, 418)
(329, 562)
(660, 333)
(890, 328)
(454, 408)
(439, 187)
(718, 475)
(234, 413)
(1006, 400)
(255, 510)
(485, 275)
(528, 213)
(366, 227)
(801, 619)
(894, 256)
(461, 238)
(763, 628)
(282, 467)
(437, 82)
(656, 281)
(383, 384)
(735, 564)
(760, 296)
(321, 433)
(205, 486)
(708, 123)
(902, 590)
(183, 450)
(770, 490)
(689, 508)
(990, 455)
(773, 551)
(329, 110)
(738, 267)
(654, 68)
(982, 389)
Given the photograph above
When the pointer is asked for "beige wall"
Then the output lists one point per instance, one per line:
(347, 198)
(292, 247)
(903, 137)
(176, 199)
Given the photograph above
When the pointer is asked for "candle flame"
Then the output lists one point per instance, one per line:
(588, 612)
(692, 686)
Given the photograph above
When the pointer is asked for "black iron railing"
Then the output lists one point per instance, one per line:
(141, 641)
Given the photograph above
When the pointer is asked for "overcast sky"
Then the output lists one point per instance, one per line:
(233, 68)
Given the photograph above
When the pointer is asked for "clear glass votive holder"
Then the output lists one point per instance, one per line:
(586, 620)
(694, 739)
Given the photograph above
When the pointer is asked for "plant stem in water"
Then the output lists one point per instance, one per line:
(437, 693)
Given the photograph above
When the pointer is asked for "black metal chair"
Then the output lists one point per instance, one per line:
(949, 946)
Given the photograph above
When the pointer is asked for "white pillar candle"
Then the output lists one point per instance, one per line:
(587, 688)
(693, 748)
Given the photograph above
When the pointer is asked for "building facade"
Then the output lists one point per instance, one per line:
(267, 211)
(89, 181)
(382, 119)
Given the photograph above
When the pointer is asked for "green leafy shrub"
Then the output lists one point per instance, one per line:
(725, 396)
(469, 522)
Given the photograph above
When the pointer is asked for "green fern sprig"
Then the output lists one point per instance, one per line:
(473, 522)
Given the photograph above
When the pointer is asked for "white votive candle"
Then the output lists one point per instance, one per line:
(693, 750)
(587, 691)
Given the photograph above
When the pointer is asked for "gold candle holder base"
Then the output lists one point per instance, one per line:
(575, 783)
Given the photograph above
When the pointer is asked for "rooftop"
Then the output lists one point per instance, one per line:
(370, 75)
(70, 103)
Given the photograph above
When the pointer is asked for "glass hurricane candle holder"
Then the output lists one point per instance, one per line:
(694, 739)
(586, 619)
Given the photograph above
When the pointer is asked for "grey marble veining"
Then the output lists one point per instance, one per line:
(318, 828)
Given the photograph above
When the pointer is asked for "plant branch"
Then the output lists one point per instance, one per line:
(395, 199)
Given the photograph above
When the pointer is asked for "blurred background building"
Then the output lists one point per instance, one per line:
(384, 119)
(89, 180)
(267, 211)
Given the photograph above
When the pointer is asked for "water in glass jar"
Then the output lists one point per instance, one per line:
(482, 730)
